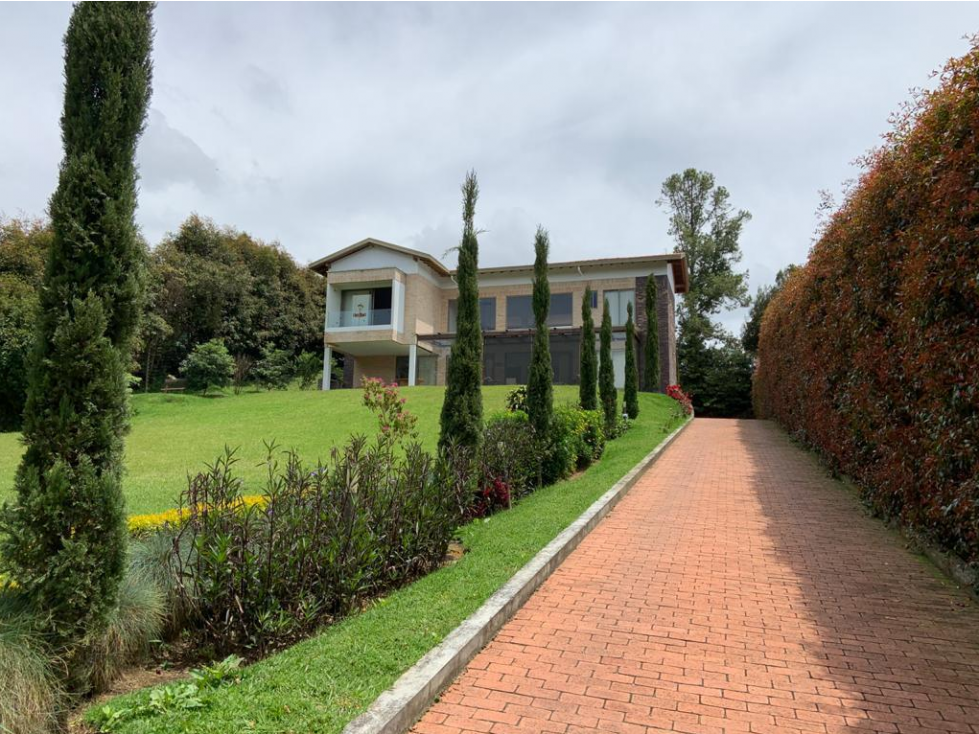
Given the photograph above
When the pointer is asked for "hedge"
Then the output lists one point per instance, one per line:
(870, 354)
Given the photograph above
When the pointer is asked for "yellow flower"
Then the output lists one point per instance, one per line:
(140, 525)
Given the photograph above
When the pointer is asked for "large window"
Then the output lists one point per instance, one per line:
(559, 314)
(617, 304)
(519, 312)
(487, 315)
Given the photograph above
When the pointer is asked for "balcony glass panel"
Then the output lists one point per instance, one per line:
(359, 318)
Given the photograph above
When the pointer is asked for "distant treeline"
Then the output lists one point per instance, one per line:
(203, 282)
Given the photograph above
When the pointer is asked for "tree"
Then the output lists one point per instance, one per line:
(275, 369)
(651, 377)
(65, 536)
(752, 327)
(23, 248)
(631, 397)
(461, 421)
(209, 366)
(587, 374)
(540, 391)
(707, 231)
(309, 366)
(606, 374)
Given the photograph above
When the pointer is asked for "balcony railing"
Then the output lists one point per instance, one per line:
(354, 319)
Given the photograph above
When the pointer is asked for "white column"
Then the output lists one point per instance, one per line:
(412, 363)
(327, 366)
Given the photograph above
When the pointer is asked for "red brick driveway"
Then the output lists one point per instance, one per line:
(735, 589)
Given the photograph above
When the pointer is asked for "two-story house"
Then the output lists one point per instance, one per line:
(391, 313)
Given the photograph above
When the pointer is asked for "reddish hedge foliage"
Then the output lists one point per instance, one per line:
(870, 353)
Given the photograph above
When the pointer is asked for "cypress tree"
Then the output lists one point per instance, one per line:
(651, 352)
(587, 374)
(462, 410)
(64, 538)
(631, 371)
(606, 373)
(540, 392)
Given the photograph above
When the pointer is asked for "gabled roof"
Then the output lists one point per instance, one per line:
(322, 266)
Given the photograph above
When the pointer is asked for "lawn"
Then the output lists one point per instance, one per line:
(323, 683)
(176, 434)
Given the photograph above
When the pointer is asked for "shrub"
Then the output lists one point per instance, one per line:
(208, 366)
(275, 369)
(566, 447)
(243, 368)
(593, 436)
(510, 453)
(309, 367)
(870, 351)
(516, 400)
(30, 693)
(588, 367)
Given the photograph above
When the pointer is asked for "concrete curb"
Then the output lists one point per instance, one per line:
(397, 709)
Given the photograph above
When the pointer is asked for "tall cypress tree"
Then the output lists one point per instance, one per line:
(606, 373)
(540, 392)
(588, 371)
(651, 352)
(462, 410)
(65, 536)
(631, 397)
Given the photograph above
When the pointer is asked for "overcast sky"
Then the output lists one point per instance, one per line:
(317, 125)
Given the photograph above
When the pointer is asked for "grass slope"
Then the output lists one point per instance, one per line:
(176, 434)
(321, 684)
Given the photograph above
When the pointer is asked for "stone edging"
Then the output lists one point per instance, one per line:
(397, 709)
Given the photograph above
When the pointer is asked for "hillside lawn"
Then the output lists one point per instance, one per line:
(321, 684)
(173, 435)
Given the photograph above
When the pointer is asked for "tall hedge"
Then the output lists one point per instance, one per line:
(462, 409)
(64, 538)
(606, 373)
(588, 370)
(631, 392)
(870, 352)
(540, 390)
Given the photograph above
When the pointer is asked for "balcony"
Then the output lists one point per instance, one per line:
(359, 318)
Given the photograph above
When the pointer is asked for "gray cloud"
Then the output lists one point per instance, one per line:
(320, 124)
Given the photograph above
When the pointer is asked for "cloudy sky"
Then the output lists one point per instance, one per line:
(317, 125)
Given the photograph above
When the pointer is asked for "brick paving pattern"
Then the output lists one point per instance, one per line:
(735, 589)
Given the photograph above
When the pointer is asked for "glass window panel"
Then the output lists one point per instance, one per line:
(487, 313)
(559, 314)
(453, 316)
(519, 314)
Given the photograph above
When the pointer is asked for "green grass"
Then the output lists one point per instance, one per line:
(176, 434)
(321, 684)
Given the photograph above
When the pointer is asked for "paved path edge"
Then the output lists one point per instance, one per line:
(396, 710)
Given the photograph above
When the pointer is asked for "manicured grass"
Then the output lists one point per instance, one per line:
(321, 684)
(176, 434)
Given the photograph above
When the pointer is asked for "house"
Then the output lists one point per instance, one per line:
(391, 313)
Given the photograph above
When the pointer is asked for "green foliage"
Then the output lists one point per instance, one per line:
(606, 374)
(208, 366)
(516, 399)
(540, 392)
(309, 366)
(752, 327)
(23, 249)
(219, 673)
(631, 393)
(651, 376)
(588, 371)
(275, 369)
(30, 693)
(221, 283)
(870, 352)
(462, 410)
(576, 439)
(510, 452)
(64, 539)
(724, 373)
(593, 436)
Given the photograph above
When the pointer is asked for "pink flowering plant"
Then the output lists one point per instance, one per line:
(395, 423)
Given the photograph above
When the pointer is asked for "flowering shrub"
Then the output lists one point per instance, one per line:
(494, 495)
(683, 400)
(870, 353)
(516, 400)
(394, 421)
(143, 525)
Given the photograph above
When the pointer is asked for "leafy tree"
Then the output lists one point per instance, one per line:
(727, 382)
(707, 231)
(540, 391)
(651, 377)
(631, 371)
(462, 409)
(752, 327)
(309, 366)
(23, 248)
(210, 365)
(64, 539)
(275, 369)
(606, 373)
(588, 371)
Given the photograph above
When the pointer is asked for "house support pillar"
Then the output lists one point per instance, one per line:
(412, 364)
(327, 366)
